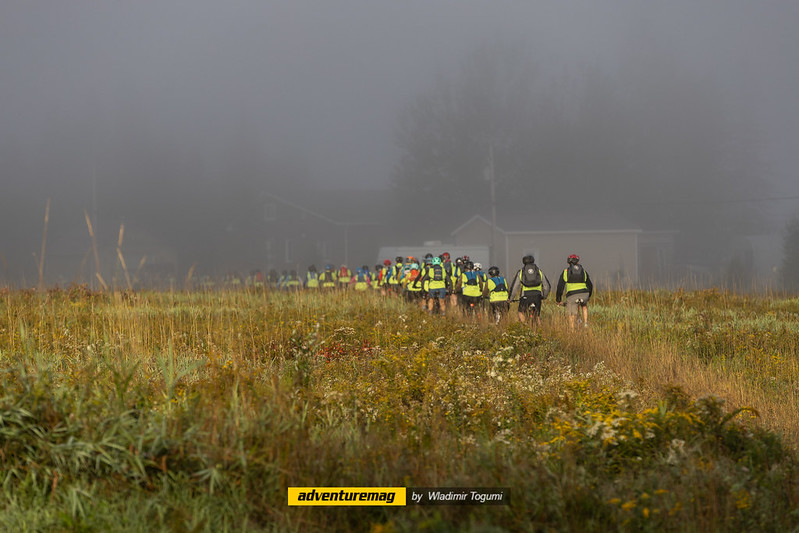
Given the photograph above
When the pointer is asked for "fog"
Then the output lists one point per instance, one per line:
(176, 118)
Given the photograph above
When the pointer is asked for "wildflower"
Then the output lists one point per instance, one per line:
(743, 499)
(627, 506)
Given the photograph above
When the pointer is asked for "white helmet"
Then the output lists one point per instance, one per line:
(478, 266)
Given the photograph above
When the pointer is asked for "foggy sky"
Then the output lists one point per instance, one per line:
(318, 85)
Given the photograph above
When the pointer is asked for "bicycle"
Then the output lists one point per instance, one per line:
(532, 315)
(499, 310)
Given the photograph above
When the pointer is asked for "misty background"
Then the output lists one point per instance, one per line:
(176, 118)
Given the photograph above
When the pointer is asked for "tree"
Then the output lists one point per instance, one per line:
(654, 144)
(445, 134)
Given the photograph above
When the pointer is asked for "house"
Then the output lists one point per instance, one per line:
(614, 251)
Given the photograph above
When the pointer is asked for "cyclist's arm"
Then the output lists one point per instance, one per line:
(561, 287)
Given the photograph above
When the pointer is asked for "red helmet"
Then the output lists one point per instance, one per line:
(573, 259)
(465, 258)
(445, 256)
(387, 262)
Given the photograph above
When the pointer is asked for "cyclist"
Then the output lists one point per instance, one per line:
(385, 272)
(534, 286)
(394, 282)
(377, 278)
(292, 281)
(344, 277)
(327, 279)
(413, 291)
(312, 278)
(435, 276)
(361, 280)
(471, 285)
(496, 290)
(578, 287)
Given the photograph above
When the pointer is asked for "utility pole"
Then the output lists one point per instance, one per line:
(493, 181)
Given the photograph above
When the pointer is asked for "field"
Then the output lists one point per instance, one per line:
(194, 411)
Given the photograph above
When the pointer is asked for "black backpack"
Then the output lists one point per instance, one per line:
(438, 273)
(576, 274)
(531, 275)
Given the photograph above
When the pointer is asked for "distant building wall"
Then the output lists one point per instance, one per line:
(611, 258)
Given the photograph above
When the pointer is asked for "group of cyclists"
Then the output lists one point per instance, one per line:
(438, 282)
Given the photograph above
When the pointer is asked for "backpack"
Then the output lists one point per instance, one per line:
(576, 274)
(499, 284)
(531, 275)
(342, 273)
(361, 276)
(471, 278)
(438, 273)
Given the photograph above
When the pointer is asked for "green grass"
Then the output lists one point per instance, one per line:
(196, 411)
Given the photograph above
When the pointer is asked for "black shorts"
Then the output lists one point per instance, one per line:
(502, 307)
(468, 300)
(528, 298)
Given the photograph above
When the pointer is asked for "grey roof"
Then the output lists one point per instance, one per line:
(560, 220)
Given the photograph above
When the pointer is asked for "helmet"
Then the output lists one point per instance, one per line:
(458, 260)
(428, 255)
(493, 271)
(478, 266)
(365, 268)
(468, 265)
(411, 259)
(465, 257)
(378, 267)
(398, 259)
(573, 259)
(415, 266)
(312, 268)
(527, 259)
(387, 262)
(445, 256)
(436, 261)
(428, 260)
(328, 267)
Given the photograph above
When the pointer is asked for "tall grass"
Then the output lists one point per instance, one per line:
(196, 411)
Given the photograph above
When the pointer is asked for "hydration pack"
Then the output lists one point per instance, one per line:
(438, 273)
(576, 274)
(531, 275)
(499, 284)
(471, 278)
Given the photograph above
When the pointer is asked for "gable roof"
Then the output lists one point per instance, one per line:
(560, 221)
